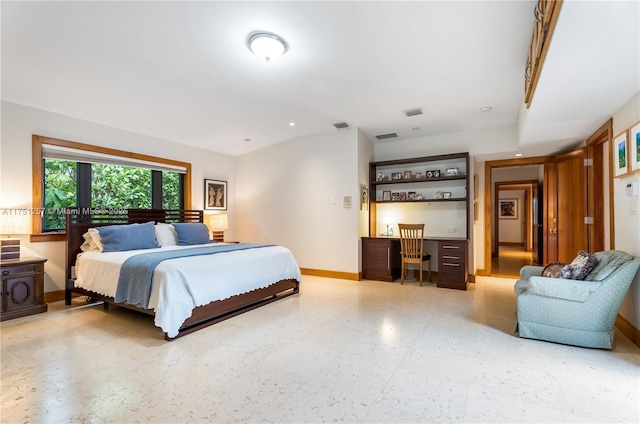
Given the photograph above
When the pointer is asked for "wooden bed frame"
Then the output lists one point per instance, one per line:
(80, 220)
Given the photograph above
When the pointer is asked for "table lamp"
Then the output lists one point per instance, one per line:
(217, 224)
(388, 221)
(12, 224)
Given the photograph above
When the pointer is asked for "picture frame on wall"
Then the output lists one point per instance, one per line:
(620, 154)
(215, 195)
(364, 196)
(508, 208)
(634, 147)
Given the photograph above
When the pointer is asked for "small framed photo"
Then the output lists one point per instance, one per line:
(620, 154)
(447, 195)
(386, 195)
(396, 175)
(411, 195)
(215, 195)
(395, 196)
(438, 195)
(403, 196)
(508, 208)
(381, 176)
(451, 172)
(364, 196)
(634, 147)
(419, 175)
(406, 175)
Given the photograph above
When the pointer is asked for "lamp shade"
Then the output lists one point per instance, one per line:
(218, 222)
(17, 223)
(267, 46)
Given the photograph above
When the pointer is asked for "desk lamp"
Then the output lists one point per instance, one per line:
(10, 224)
(387, 220)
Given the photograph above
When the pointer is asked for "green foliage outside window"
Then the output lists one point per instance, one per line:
(60, 183)
(112, 187)
(120, 187)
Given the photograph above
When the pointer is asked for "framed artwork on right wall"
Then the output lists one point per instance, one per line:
(634, 147)
(619, 154)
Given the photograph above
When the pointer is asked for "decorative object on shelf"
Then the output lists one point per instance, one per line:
(451, 172)
(419, 175)
(508, 208)
(388, 221)
(13, 222)
(215, 195)
(381, 176)
(438, 195)
(364, 196)
(396, 176)
(418, 196)
(434, 173)
(395, 196)
(634, 147)
(407, 175)
(218, 222)
(403, 196)
(619, 154)
(447, 195)
(411, 195)
(386, 195)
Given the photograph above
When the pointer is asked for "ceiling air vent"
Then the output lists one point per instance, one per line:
(342, 125)
(386, 136)
(413, 112)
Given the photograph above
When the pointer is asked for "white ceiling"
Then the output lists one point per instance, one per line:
(181, 70)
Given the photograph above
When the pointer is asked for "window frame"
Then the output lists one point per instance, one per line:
(38, 184)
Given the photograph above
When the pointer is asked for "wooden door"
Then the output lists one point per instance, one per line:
(566, 220)
(536, 224)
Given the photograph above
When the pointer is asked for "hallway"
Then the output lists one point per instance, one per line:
(509, 261)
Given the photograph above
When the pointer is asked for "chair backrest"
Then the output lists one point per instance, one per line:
(411, 240)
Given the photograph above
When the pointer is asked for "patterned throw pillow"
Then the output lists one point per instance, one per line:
(580, 267)
(553, 270)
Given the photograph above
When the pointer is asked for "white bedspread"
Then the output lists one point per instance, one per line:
(180, 285)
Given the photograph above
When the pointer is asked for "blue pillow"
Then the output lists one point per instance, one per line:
(118, 238)
(191, 233)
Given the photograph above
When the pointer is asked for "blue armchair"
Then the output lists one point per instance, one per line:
(580, 313)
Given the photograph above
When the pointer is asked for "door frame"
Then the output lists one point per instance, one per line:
(527, 187)
(488, 199)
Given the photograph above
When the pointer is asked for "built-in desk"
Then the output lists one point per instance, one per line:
(381, 260)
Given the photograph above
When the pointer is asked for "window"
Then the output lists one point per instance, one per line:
(79, 175)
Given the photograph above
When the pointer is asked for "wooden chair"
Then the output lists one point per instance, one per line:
(412, 248)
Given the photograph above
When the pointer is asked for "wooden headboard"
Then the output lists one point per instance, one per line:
(79, 220)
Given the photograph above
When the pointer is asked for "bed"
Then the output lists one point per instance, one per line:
(187, 293)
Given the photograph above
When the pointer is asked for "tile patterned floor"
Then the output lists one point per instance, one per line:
(345, 351)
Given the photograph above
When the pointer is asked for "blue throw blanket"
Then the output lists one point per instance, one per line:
(134, 283)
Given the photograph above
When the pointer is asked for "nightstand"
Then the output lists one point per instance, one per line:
(22, 287)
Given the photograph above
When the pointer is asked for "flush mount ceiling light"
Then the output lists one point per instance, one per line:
(266, 45)
(486, 109)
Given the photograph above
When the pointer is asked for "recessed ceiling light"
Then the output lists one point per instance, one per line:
(486, 109)
(518, 155)
(292, 124)
(247, 139)
(267, 45)
(415, 129)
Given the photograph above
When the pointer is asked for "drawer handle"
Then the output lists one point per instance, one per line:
(5, 272)
(451, 247)
(446, 264)
(450, 257)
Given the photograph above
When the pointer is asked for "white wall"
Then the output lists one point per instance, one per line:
(627, 225)
(292, 194)
(365, 155)
(512, 230)
(19, 123)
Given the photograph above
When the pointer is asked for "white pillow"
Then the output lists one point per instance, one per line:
(166, 234)
(92, 241)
